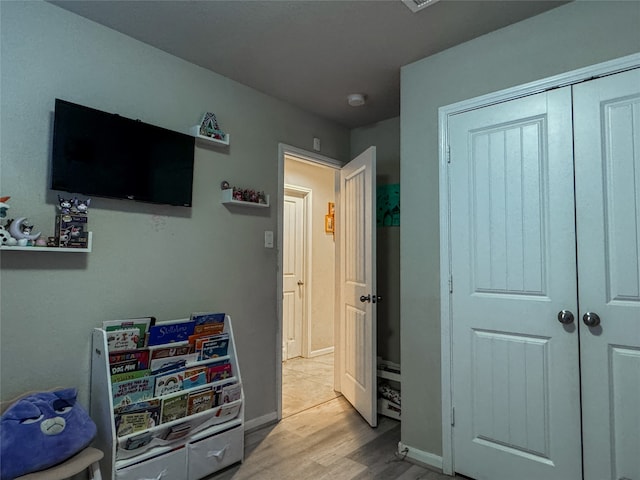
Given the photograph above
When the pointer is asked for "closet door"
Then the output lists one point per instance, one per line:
(607, 164)
(516, 379)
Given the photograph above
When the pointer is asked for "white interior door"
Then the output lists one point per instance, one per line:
(607, 139)
(515, 366)
(293, 276)
(357, 241)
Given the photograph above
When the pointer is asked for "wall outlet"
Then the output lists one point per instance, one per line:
(316, 144)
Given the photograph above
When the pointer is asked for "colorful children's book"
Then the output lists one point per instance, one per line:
(218, 372)
(170, 332)
(125, 339)
(121, 377)
(123, 367)
(160, 364)
(142, 324)
(194, 377)
(231, 393)
(141, 357)
(174, 407)
(129, 418)
(199, 401)
(215, 347)
(202, 318)
(132, 391)
(168, 383)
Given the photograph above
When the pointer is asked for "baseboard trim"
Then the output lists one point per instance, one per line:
(322, 351)
(259, 422)
(420, 457)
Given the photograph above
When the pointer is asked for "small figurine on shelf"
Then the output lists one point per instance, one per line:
(65, 204)
(80, 207)
(237, 194)
(22, 232)
(4, 206)
(209, 127)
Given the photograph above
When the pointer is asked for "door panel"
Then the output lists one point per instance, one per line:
(356, 234)
(607, 159)
(292, 270)
(515, 366)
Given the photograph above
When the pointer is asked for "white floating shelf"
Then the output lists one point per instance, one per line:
(204, 140)
(227, 199)
(53, 249)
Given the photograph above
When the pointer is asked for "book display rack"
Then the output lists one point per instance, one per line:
(167, 397)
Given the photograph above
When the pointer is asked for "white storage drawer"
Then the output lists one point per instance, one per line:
(213, 453)
(169, 466)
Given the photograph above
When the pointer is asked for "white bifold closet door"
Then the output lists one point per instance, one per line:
(530, 287)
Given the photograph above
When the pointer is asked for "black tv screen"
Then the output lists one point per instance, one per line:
(101, 154)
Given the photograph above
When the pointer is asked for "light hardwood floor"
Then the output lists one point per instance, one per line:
(306, 382)
(327, 442)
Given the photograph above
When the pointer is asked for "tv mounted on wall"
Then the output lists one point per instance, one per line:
(101, 154)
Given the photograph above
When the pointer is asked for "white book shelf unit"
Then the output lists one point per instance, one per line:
(215, 437)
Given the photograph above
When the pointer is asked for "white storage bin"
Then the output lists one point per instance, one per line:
(169, 466)
(214, 453)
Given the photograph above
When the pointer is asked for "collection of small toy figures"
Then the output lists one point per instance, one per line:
(71, 223)
(209, 127)
(16, 232)
(70, 229)
(247, 195)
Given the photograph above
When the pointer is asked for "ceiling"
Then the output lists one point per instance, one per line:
(310, 53)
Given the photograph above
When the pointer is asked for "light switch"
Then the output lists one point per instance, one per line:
(268, 239)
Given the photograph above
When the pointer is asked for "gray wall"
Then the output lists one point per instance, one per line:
(566, 38)
(146, 259)
(385, 136)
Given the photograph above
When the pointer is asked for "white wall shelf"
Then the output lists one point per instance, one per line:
(203, 140)
(53, 249)
(227, 199)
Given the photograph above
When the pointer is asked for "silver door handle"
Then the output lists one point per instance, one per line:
(591, 319)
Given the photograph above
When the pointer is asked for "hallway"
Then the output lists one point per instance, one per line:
(306, 382)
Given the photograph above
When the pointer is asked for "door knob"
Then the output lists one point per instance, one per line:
(300, 282)
(365, 299)
(565, 317)
(591, 319)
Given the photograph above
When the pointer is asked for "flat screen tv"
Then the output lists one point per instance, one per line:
(101, 154)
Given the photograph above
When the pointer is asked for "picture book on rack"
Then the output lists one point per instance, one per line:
(174, 407)
(170, 332)
(132, 391)
(141, 324)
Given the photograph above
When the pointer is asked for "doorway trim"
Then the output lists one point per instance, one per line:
(315, 158)
(446, 282)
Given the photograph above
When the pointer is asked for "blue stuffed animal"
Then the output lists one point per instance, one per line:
(42, 430)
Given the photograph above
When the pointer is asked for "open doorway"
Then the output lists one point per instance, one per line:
(308, 284)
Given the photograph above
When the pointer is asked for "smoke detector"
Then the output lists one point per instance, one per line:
(356, 99)
(417, 5)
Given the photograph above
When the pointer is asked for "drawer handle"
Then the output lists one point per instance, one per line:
(159, 477)
(217, 453)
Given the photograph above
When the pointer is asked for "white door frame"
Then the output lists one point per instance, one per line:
(569, 78)
(284, 149)
(305, 194)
